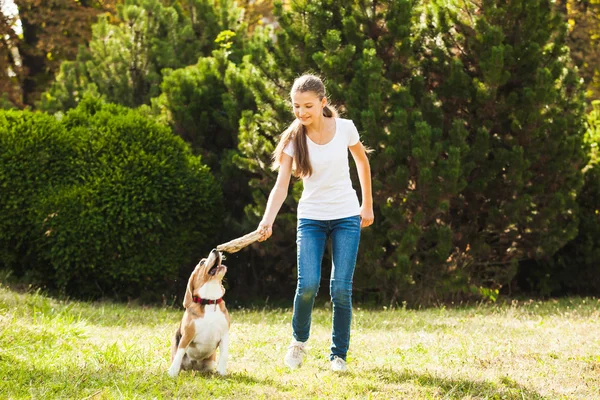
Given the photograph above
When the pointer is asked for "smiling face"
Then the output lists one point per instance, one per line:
(308, 107)
(208, 273)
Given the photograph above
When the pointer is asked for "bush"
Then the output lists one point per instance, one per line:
(125, 59)
(131, 206)
(214, 106)
(575, 269)
(36, 156)
(475, 118)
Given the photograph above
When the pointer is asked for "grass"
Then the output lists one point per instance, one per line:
(524, 350)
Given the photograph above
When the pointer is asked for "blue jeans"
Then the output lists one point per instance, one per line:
(311, 240)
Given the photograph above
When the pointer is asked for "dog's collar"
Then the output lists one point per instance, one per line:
(199, 300)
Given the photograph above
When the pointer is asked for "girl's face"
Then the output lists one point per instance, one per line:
(308, 107)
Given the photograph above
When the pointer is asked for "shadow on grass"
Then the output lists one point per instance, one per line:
(234, 377)
(455, 388)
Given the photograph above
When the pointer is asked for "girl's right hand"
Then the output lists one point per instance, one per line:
(266, 231)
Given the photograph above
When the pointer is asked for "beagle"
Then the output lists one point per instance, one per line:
(205, 323)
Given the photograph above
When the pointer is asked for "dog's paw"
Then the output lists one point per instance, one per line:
(222, 371)
(173, 371)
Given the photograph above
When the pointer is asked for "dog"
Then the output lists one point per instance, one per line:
(205, 323)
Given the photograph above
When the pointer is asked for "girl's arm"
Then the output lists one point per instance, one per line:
(364, 176)
(277, 197)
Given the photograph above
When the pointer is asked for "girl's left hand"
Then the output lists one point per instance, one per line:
(366, 216)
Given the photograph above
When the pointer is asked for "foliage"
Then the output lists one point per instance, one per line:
(576, 267)
(124, 61)
(209, 104)
(473, 109)
(202, 106)
(52, 32)
(36, 155)
(475, 119)
(9, 82)
(6, 103)
(112, 202)
(583, 18)
(524, 113)
(257, 13)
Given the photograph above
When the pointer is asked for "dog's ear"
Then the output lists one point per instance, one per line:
(188, 299)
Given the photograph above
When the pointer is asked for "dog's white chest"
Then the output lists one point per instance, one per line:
(209, 332)
(212, 327)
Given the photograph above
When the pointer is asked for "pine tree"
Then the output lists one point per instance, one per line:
(366, 54)
(475, 119)
(124, 61)
(526, 103)
(214, 106)
(575, 269)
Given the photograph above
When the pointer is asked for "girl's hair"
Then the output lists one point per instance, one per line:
(296, 132)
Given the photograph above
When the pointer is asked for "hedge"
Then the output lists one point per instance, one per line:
(102, 201)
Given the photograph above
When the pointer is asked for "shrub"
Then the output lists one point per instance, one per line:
(124, 60)
(575, 269)
(475, 118)
(132, 206)
(36, 156)
(213, 106)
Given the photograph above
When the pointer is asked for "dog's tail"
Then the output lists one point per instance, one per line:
(175, 342)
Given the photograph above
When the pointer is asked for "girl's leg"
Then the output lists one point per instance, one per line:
(311, 239)
(345, 237)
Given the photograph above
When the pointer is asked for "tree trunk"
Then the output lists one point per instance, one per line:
(33, 59)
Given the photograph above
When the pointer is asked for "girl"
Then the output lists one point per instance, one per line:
(316, 147)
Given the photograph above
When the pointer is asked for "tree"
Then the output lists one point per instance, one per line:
(575, 269)
(124, 61)
(9, 83)
(475, 119)
(583, 17)
(52, 32)
(217, 105)
(257, 12)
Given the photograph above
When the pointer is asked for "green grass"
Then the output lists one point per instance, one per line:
(524, 350)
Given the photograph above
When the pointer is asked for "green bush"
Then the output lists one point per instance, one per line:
(213, 106)
(576, 267)
(125, 59)
(579, 261)
(36, 156)
(130, 208)
(475, 119)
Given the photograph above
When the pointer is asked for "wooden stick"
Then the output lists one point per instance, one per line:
(239, 243)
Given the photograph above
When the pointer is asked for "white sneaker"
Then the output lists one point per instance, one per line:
(295, 354)
(338, 364)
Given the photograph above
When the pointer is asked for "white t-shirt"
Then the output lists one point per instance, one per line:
(328, 193)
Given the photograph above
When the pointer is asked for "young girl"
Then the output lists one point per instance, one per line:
(316, 146)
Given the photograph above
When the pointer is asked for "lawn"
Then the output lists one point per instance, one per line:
(520, 350)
